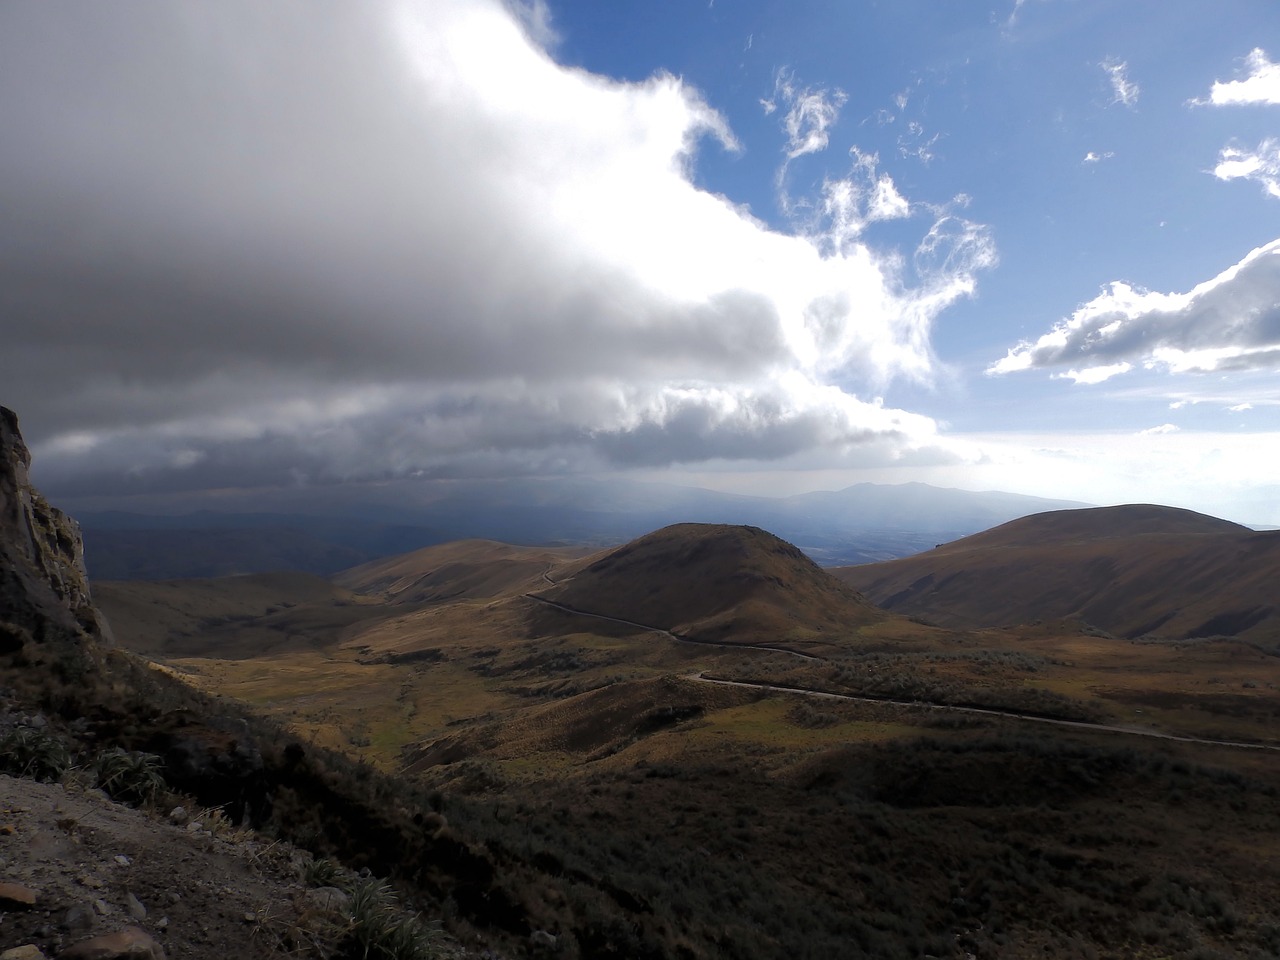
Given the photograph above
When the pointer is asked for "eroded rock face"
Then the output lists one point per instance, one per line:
(44, 589)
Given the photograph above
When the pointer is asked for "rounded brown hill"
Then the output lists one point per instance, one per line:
(717, 582)
(1098, 523)
(1136, 570)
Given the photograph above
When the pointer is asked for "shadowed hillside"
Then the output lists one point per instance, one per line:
(244, 616)
(717, 582)
(1137, 570)
(466, 569)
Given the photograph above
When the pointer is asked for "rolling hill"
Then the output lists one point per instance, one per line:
(1135, 571)
(716, 582)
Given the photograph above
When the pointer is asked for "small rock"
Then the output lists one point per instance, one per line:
(26, 952)
(178, 816)
(102, 907)
(194, 826)
(79, 918)
(540, 938)
(131, 943)
(123, 860)
(329, 899)
(134, 907)
(38, 722)
(162, 923)
(16, 895)
(92, 882)
(7, 830)
(250, 916)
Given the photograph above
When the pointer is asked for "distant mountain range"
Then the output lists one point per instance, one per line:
(326, 532)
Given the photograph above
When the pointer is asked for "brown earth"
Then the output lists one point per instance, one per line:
(201, 896)
(463, 570)
(1133, 571)
(717, 582)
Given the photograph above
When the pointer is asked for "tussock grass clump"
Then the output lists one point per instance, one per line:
(321, 872)
(374, 924)
(129, 776)
(381, 929)
(25, 752)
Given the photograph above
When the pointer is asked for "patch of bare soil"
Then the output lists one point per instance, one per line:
(95, 867)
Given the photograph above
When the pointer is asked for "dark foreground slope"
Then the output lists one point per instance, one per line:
(1134, 571)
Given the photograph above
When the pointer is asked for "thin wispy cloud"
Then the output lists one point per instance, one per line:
(1092, 157)
(810, 114)
(916, 144)
(1229, 323)
(1123, 90)
(864, 197)
(1091, 375)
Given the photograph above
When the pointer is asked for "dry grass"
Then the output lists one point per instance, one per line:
(1130, 571)
(717, 582)
(498, 676)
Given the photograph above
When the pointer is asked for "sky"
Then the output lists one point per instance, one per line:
(1026, 245)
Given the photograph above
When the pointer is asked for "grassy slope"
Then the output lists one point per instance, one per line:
(638, 813)
(718, 582)
(1131, 571)
(465, 569)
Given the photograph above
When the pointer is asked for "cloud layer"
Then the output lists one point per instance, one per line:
(1229, 323)
(244, 244)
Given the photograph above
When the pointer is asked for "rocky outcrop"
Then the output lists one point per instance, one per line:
(44, 589)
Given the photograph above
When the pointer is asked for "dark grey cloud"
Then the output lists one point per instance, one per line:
(243, 242)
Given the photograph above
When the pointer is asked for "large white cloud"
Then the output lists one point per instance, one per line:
(1262, 165)
(1231, 322)
(401, 236)
(1260, 84)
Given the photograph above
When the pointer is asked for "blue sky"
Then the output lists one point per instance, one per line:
(761, 247)
(1082, 133)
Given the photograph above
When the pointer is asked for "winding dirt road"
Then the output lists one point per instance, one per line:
(667, 633)
(916, 704)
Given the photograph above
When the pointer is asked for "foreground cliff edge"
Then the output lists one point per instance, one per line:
(128, 802)
(44, 589)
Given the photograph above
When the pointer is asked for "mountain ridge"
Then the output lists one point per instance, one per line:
(1139, 570)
